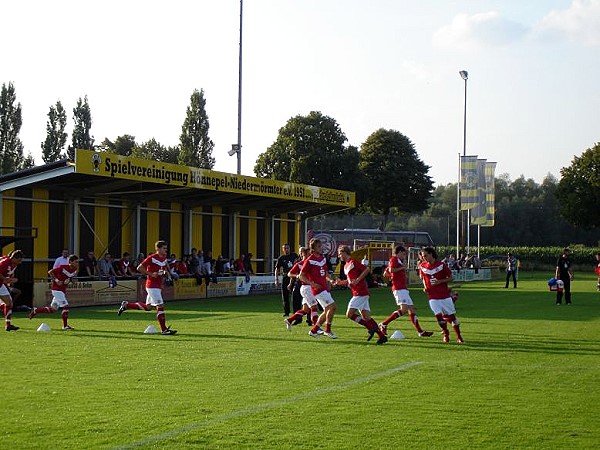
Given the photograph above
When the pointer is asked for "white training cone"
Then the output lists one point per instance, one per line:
(150, 329)
(43, 328)
(397, 335)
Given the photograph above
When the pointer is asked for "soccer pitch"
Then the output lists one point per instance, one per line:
(233, 377)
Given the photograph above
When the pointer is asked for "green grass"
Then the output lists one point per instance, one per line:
(233, 377)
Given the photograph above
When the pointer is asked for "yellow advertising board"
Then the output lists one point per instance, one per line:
(126, 167)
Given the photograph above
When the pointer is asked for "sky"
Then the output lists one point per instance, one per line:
(533, 91)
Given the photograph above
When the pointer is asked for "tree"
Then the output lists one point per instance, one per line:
(81, 138)
(123, 145)
(310, 150)
(154, 150)
(11, 147)
(395, 175)
(56, 138)
(579, 189)
(195, 146)
(28, 162)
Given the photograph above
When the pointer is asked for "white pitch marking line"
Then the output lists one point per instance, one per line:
(265, 406)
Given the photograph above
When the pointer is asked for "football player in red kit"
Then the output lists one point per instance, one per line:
(156, 268)
(61, 277)
(397, 271)
(436, 275)
(314, 273)
(358, 308)
(8, 264)
(309, 302)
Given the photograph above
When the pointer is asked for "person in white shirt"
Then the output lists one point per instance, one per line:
(62, 260)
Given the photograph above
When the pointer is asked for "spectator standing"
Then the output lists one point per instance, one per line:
(62, 260)
(284, 264)
(511, 269)
(476, 263)
(248, 266)
(564, 273)
(208, 262)
(451, 262)
(194, 264)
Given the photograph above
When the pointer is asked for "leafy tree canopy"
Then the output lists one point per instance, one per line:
(81, 138)
(156, 151)
(11, 147)
(311, 150)
(579, 189)
(56, 137)
(123, 145)
(196, 147)
(395, 175)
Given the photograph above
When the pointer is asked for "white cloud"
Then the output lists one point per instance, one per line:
(579, 23)
(415, 70)
(468, 32)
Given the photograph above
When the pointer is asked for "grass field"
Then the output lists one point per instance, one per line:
(233, 377)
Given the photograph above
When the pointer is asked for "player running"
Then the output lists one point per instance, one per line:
(314, 273)
(358, 308)
(436, 275)
(61, 277)
(309, 302)
(397, 271)
(156, 268)
(8, 264)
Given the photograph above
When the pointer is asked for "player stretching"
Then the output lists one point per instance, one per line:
(356, 273)
(314, 273)
(156, 268)
(397, 270)
(309, 302)
(436, 276)
(8, 264)
(61, 277)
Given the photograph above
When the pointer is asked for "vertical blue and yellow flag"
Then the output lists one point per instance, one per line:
(468, 182)
(490, 173)
(479, 212)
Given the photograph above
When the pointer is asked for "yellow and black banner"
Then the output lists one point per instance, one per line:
(125, 167)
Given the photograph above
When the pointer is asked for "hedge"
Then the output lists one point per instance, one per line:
(532, 257)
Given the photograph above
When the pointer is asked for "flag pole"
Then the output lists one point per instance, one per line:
(458, 211)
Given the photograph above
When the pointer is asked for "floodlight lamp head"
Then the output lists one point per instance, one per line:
(464, 74)
(232, 152)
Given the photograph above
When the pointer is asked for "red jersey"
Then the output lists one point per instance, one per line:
(155, 263)
(7, 269)
(437, 270)
(125, 267)
(315, 269)
(353, 269)
(399, 277)
(297, 268)
(598, 269)
(63, 273)
(181, 268)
